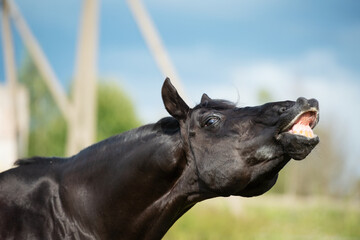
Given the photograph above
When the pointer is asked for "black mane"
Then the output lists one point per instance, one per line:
(216, 104)
(38, 160)
(168, 126)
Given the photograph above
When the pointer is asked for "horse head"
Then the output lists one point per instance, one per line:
(240, 151)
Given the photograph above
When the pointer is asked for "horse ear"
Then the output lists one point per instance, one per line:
(174, 104)
(205, 98)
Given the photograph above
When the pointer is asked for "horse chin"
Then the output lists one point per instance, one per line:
(257, 188)
(297, 146)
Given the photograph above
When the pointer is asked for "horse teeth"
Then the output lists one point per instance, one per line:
(303, 132)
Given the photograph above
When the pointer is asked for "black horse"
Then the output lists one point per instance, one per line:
(137, 184)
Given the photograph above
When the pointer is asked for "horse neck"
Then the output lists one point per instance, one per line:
(143, 170)
(166, 210)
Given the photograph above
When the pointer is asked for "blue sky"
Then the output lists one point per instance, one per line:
(221, 33)
(229, 49)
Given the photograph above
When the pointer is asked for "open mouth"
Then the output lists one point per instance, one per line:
(303, 124)
(297, 137)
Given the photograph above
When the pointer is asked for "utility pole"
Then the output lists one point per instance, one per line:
(82, 124)
(80, 113)
(40, 59)
(153, 40)
(10, 134)
(9, 60)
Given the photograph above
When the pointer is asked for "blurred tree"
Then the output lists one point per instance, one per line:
(264, 95)
(47, 127)
(115, 113)
(356, 190)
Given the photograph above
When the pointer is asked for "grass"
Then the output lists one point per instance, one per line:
(269, 218)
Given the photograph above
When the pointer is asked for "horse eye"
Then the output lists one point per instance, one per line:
(211, 121)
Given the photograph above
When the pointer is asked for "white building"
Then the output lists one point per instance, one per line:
(14, 122)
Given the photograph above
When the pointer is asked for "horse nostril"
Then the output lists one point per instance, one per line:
(282, 110)
(314, 103)
(302, 101)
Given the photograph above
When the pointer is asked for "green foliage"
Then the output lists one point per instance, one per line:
(274, 220)
(115, 113)
(264, 95)
(47, 126)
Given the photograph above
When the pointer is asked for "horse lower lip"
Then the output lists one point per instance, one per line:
(297, 146)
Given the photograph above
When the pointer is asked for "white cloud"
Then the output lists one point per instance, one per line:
(313, 75)
(316, 74)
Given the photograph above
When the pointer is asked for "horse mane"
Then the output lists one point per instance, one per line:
(38, 160)
(219, 104)
(168, 126)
